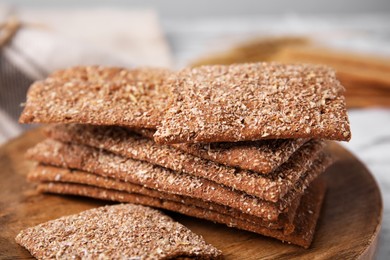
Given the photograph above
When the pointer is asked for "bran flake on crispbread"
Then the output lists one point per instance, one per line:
(124, 143)
(123, 231)
(99, 95)
(254, 101)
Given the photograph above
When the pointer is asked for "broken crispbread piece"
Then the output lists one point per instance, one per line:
(123, 231)
(99, 95)
(127, 144)
(305, 219)
(253, 101)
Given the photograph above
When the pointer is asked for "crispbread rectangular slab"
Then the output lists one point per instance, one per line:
(305, 220)
(43, 173)
(263, 156)
(122, 142)
(99, 95)
(123, 231)
(109, 165)
(254, 101)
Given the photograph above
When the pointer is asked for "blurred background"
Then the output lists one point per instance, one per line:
(353, 36)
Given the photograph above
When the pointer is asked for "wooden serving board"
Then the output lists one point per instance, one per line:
(348, 227)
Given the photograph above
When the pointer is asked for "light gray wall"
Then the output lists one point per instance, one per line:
(207, 8)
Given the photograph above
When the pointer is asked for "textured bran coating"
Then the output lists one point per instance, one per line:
(263, 156)
(305, 219)
(122, 142)
(123, 231)
(100, 96)
(109, 165)
(43, 173)
(254, 101)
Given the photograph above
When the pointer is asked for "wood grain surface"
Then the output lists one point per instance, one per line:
(348, 227)
(365, 77)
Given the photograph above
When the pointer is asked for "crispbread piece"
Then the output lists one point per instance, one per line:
(100, 96)
(308, 213)
(109, 165)
(43, 173)
(305, 220)
(254, 101)
(263, 156)
(122, 142)
(123, 231)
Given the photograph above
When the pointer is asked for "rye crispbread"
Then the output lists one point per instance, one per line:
(305, 220)
(109, 165)
(122, 142)
(99, 95)
(123, 231)
(43, 173)
(263, 156)
(253, 101)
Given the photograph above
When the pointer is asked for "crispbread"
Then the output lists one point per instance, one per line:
(305, 221)
(263, 156)
(100, 96)
(122, 142)
(43, 173)
(254, 101)
(123, 231)
(109, 165)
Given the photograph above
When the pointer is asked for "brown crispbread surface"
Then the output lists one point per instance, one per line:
(123, 231)
(100, 96)
(308, 213)
(122, 142)
(145, 132)
(263, 156)
(43, 173)
(258, 156)
(253, 101)
(306, 217)
(109, 165)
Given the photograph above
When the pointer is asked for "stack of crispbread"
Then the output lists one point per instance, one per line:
(240, 145)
